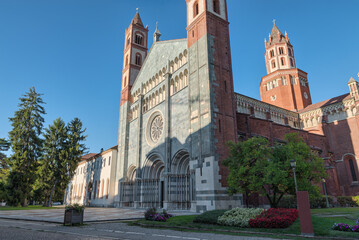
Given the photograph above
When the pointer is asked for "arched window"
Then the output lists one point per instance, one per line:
(138, 59)
(291, 62)
(289, 52)
(281, 50)
(125, 82)
(126, 61)
(352, 170)
(95, 190)
(195, 9)
(282, 61)
(272, 53)
(128, 41)
(98, 189)
(139, 39)
(273, 64)
(216, 7)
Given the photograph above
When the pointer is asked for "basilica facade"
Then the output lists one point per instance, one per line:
(179, 109)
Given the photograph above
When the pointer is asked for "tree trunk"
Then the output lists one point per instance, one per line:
(52, 193)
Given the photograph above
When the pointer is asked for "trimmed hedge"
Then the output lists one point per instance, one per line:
(275, 218)
(348, 201)
(290, 201)
(209, 217)
(239, 217)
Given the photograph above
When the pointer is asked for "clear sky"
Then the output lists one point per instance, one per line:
(72, 51)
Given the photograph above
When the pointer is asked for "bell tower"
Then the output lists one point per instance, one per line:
(284, 85)
(136, 41)
(212, 103)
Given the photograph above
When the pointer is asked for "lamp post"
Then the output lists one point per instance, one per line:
(325, 191)
(292, 164)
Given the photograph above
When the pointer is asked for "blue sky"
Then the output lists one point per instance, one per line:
(72, 51)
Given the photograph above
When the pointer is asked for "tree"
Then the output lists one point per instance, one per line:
(257, 167)
(26, 144)
(4, 167)
(53, 163)
(63, 149)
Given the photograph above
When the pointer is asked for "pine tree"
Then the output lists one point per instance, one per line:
(26, 144)
(4, 167)
(53, 163)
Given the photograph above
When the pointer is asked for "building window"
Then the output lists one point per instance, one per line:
(104, 162)
(126, 61)
(109, 161)
(139, 39)
(271, 53)
(219, 125)
(216, 8)
(291, 62)
(273, 64)
(107, 188)
(284, 81)
(352, 170)
(225, 86)
(293, 81)
(281, 50)
(95, 190)
(138, 59)
(98, 189)
(289, 52)
(128, 41)
(195, 9)
(282, 61)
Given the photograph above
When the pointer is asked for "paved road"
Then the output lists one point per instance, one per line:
(28, 230)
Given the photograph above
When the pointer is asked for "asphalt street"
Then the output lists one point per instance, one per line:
(29, 230)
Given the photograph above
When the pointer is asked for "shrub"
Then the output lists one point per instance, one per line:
(239, 217)
(77, 207)
(151, 214)
(347, 201)
(355, 228)
(342, 227)
(290, 201)
(275, 218)
(209, 217)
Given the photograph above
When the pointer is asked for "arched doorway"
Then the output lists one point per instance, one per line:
(180, 182)
(152, 183)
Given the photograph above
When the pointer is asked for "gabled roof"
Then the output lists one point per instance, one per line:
(326, 103)
(160, 53)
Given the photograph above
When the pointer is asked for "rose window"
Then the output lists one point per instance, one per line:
(156, 128)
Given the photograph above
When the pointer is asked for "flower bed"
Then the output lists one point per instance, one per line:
(275, 218)
(239, 217)
(345, 227)
(152, 215)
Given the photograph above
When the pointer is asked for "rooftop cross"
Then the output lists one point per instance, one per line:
(137, 10)
(273, 21)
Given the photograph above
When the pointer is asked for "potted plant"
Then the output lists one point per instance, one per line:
(74, 214)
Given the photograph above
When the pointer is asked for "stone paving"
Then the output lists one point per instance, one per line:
(90, 214)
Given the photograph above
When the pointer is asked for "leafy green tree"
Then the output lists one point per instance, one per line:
(257, 167)
(26, 145)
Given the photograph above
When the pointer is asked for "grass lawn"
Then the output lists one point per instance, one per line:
(31, 207)
(323, 220)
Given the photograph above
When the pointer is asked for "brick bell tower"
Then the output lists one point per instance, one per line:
(136, 40)
(284, 85)
(212, 103)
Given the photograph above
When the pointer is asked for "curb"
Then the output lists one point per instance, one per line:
(234, 231)
(57, 222)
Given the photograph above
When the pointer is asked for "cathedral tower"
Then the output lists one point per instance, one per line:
(212, 104)
(285, 85)
(135, 52)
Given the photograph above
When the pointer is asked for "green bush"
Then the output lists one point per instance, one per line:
(320, 202)
(348, 201)
(209, 217)
(290, 201)
(239, 217)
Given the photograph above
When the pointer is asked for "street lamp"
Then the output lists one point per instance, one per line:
(325, 191)
(292, 164)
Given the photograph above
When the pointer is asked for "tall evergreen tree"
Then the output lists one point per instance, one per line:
(26, 144)
(53, 163)
(4, 167)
